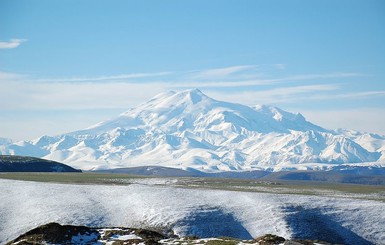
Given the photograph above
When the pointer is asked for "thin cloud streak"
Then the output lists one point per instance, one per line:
(221, 72)
(255, 82)
(280, 66)
(12, 43)
(104, 78)
(7, 76)
(222, 84)
(363, 94)
(324, 76)
(75, 96)
(230, 77)
(271, 96)
(291, 95)
(355, 95)
(120, 91)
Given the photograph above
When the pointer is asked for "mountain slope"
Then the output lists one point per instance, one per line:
(369, 141)
(31, 164)
(191, 130)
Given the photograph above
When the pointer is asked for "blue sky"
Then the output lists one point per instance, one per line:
(65, 65)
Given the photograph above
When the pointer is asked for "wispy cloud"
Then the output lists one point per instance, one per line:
(280, 66)
(320, 92)
(233, 76)
(249, 75)
(275, 95)
(12, 43)
(20, 95)
(260, 81)
(241, 84)
(219, 73)
(321, 76)
(363, 94)
(346, 95)
(4, 76)
(105, 78)
(120, 91)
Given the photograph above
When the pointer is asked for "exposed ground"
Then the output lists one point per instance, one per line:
(370, 192)
(54, 233)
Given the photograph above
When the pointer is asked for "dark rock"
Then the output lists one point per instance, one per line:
(269, 239)
(54, 233)
(31, 164)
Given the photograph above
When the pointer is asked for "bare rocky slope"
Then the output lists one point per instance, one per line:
(31, 164)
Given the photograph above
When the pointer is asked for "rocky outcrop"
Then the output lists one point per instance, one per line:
(10, 163)
(54, 233)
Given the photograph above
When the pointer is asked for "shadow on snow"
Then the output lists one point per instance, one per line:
(212, 222)
(314, 225)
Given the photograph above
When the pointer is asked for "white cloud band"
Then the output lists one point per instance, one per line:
(13, 43)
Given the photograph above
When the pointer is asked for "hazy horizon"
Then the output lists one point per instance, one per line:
(66, 65)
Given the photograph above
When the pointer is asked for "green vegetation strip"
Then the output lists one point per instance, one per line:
(282, 187)
(72, 178)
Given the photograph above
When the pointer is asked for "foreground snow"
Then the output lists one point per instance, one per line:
(206, 213)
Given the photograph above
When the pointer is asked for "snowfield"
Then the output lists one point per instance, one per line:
(191, 130)
(206, 213)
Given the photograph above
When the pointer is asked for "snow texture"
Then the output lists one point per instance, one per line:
(206, 213)
(190, 130)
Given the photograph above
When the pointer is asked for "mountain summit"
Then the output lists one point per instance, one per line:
(193, 111)
(191, 130)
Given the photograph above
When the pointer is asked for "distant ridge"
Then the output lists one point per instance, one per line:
(189, 130)
(32, 164)
(356, 175)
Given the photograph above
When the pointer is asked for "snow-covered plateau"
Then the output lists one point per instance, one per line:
(187, 211)
(191, 130)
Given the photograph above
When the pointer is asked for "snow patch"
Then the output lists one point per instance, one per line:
(26, 205)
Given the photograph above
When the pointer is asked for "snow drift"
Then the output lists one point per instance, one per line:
(205, 213)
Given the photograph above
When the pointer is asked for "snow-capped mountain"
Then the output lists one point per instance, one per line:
(191, 130)
(5, 141)
(369, 141)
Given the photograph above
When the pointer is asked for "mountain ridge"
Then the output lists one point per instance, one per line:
(31, 164)
(188, 129)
